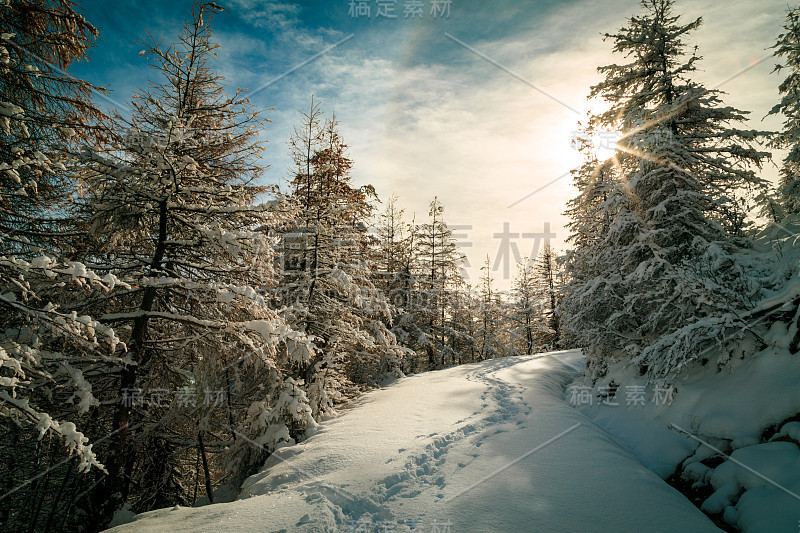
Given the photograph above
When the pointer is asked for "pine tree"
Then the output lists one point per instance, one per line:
(787, 48)
(395, 276)
(173, 213)
(683, 170)
(464, 319)
(590, 212)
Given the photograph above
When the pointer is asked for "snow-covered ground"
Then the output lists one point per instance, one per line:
(493, 446)
(744, 411)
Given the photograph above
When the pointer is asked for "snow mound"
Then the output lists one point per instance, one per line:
(714, 414)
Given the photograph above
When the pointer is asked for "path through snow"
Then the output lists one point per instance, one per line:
(491, 446)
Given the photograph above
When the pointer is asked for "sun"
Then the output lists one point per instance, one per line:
(602, 148)
(603, 143)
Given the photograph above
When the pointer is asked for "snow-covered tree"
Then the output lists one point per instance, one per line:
(174, 212)
(547, 285)
(393, 250)
(330, 263)
(678, 221)
(592, 211)
(42, 111)
(489, 325)
(438, 282)
(396, 276)
(49, 353)
(604, 226)
(787, 49)
(524, 311)
(777, 265)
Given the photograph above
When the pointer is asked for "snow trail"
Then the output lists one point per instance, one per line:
(491, 446)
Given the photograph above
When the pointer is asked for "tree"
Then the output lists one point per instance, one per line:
(173, 212)
(590, 212)
(490, 318)
(44, 110)
(680, 149)
(330, 271)
(525, 317)
(683, 169)
(437, 275)
(395, 276)
(787, 48)
(393, 244)
(604, 226)
(546, 272)
(46, 351)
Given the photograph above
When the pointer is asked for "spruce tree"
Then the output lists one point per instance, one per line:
(787, 49)
(683, 168)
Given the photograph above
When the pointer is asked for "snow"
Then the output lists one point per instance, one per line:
(492, 446)
(715, 413)
(768, 476)
(791, 430)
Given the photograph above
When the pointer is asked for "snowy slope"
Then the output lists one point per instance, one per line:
(759, 490)
(492, 446)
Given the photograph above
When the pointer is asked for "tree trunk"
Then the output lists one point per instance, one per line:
(206, 473)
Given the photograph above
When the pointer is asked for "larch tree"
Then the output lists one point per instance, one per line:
(330, 263)
(395, 275)
(548, 291)
(392, 233)
(489, 319)
(525, 313)
(175, 212)
(47, 351)
(437, 274)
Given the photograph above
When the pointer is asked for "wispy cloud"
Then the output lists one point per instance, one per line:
(424, 116)
(274, 16)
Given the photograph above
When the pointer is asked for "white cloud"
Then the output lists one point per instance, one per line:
(274, 16)
(477, 137)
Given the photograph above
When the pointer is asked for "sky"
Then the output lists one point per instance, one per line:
(473, 101)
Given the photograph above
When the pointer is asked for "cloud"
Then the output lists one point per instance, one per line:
(424, 116)
(274, 16)
(468, 132)
(481, 140)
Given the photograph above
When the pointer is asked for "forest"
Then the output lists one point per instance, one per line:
(169, 320)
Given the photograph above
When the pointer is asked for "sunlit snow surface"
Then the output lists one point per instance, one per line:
(492, 446)
(727, 411)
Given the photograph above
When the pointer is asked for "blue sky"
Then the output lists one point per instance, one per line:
(423, 114)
